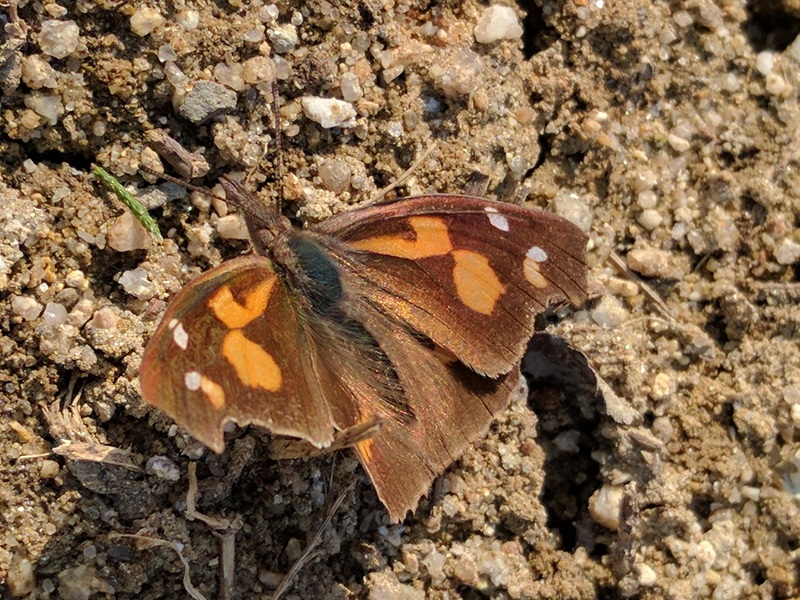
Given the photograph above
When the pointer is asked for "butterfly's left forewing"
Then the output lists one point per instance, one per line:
(467, 273)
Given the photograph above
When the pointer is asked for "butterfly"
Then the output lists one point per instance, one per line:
(396, 329)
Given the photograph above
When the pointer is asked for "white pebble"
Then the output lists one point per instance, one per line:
(104, 319)
(163, 468)
(37, 73)
(284, 38)
(662, 387)
(146, 20)
(59, 39)
(232, 227)
(49, 107)
(188, 19)
(605, 504)
(647, 576)
(335, 175)
(609, 313)
(787, 252)
(329, 112)
(775, 84)
(650, 219)
(26, 307)
(573, 209)
(258, 69)
(351, 87)
(54, 315)
(678, 143)
(497, 23)
(793, 50)
(167, 53)
(648, 261)
(764, 62)
(458, 76)
(135, 283)
(647, 199)
(127, 234)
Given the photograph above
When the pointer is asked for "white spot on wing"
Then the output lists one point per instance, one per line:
(496, 219)
(537, 254)
(179, 336)
(172, 324)
(193, 380)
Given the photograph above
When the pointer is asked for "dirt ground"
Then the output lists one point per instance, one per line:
(669, 131)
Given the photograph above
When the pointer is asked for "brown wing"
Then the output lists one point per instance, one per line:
(468, 273)
(232, 347)
(449, 407)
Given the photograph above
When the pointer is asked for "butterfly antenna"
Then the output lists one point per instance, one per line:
(181, 182)
(278, 143)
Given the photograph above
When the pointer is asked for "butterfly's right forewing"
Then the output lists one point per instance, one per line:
(232, 347)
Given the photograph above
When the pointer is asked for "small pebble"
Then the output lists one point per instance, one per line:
(37, 73)
(59, 39)
(787, 252)
(351, 87)
(647, 199)
(258, 69)
(54, 315)
(76, 279)
(647, 577)
(205, 101)
(650, 219)
(497, 22)
(135, 283)
(459, 75)
(609, 313)
(128, 234)
(386, 586)
(146, 20)
(663, 429)
(232, 227)
(329, 112)
(48, 106)
(662, 387)
(764, 62)
(283, 38)
(605, 504)
(335, 175)
(678, 143)
(26, 307)
(20, 578)
(163, 468)
(776, 85)
(105, 318)
(573, 209)
(49, 469)
(188, 19)
(649, 261)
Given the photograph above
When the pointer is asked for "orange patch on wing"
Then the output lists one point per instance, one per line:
(235, 315)
(476, 282)
(533, 274)
(213, 392)
(254, 366)
(431, 239)
(364, 449)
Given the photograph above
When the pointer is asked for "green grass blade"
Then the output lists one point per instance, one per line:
(139, 211)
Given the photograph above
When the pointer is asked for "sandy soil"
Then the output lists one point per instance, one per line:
(668, 130)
